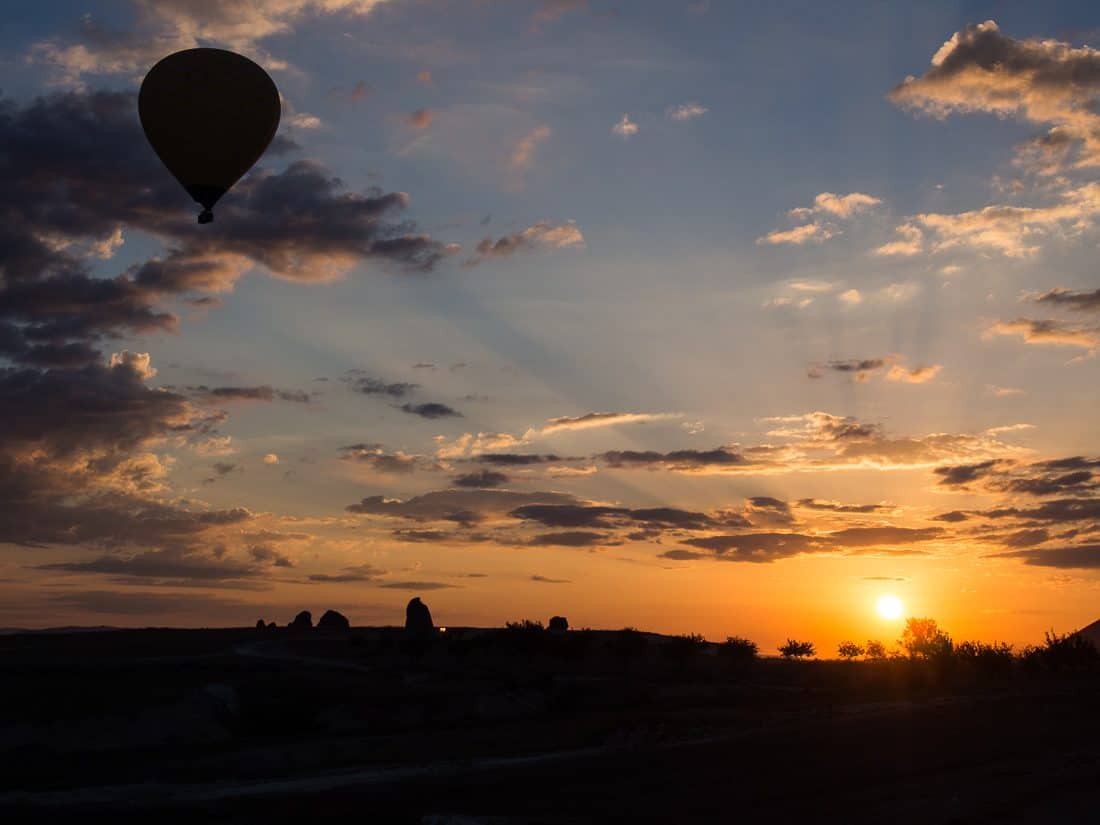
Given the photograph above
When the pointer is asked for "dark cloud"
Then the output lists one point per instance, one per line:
(367, 385)
(569, 515)
(480, 479)
(771, 546)
(457, 505)
(962, 474)
(431, 409)
(1079, 557)
(573, 538)
(676, 460)
(1063, 510)
(1081, 301)
(59, 212)
(952, 517)
(359, 573)
(516, 459)
(548, 580)
(260, 393)
(885, 579)
(417, 586)
(167, 564)
(835, 507)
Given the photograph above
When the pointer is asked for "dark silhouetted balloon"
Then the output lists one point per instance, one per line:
(209, 115)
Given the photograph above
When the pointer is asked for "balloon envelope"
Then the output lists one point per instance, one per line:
(209, 115)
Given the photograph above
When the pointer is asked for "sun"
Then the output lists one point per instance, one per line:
(889, 607)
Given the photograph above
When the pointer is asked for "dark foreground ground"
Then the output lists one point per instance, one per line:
(220, 726)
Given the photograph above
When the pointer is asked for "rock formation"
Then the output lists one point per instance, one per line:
(303, 621)
(418, 619)
(333, 620)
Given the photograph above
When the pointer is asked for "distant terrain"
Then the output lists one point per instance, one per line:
(528, 725)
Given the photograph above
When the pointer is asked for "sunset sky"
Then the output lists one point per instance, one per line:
(692, 316)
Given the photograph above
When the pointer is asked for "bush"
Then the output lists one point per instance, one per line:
(875, 650)
(680, 648)
(849, 650)
(796, 650)
(738, 649)
(988, 658)
(1071, 651)
(923, 639)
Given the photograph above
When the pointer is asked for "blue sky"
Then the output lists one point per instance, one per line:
(708, 278)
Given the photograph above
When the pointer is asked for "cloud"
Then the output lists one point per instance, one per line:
(378, 459)
(826, 205)
(836, 507)
(1046, 82)
(522, 157)
(171, 564)
(547, 580)
(1012, 231)
(367, 385)
(420, 119)
(600, 419)
(851, 297)
(167, 26)
(769, 547)
(417, 586)
(299, 223)
(542, 235)
(223, 395)
(304, 120)
(481, 479)
(914, 375)
(840, 206)
(625, 128)
(1075, 557)
(431, 409)
(572, 538)
(1061, 297)
(681, 460)
(457, 505)
(686, 111)
(358, 573)
(910, 243)
(800, 235)
(1048, 332)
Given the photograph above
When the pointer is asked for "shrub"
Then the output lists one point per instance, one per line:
(681, 647)
(739, 649)
(875, 650)
(923, 639)
(1071, 651)
(796, 650)
(989, 658)
(849, 650)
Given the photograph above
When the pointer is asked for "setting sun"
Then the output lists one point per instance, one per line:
(889, 607)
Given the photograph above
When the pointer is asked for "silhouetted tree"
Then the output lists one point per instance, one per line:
(874, 650)
(849, 650)
(303, 621)
(796, 650)
(923, 639)
(260, 624)
(739, 649)
(680, 648)
(558, 624)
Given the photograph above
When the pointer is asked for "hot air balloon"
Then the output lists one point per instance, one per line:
(209, 114)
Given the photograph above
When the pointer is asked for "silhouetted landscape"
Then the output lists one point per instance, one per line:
(528, 723)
